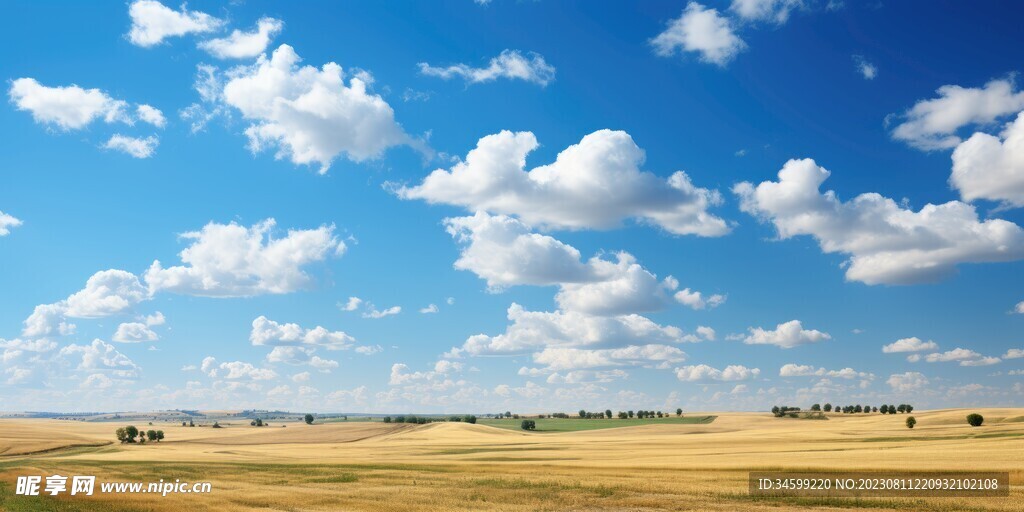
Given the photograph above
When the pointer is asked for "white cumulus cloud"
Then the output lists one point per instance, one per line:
(243, 45)
(785, 335)
(933, 124)
(703, 372)
(702, 30)
(7, 222)
(990, 167)
(152, 22)
(310, 115)
(510, 64)
(134, 146)
(913, 344)
(229, 260)
(887, 243)
(596, 184)
(909, 381)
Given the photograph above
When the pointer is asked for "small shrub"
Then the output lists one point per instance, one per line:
(975, 420)
(528, 425)
(911, 422)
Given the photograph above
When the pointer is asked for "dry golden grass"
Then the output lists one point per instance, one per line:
(456, 466)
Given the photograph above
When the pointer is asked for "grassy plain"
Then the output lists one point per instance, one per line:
(456, 466)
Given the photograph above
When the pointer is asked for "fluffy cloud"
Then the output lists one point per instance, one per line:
(311, 116)
(887, 243)
(229, 260)
(432, 308)
(134, 332)
(785, 335)
(866, 69)
(235, 370)
(932, 124)
(696, 300)
(701, 30)
(909, 345)
(369, 350)
(1019, 308)
(151, 115)
(106, 293)
(985, 167)
(595, 184)
(442, 369)
(765, 10)
(797, 370)
(352, 304)
(99, 356)
(965, 357)
(243, 45)
(584, 376)
(533, 329)
(574, 358)
(241, 370)
(7, 222)
(375, 313)
(136, 147)
(68, 108)
(618, 287)
(266, 332)
(509, 64)
(702, 372)
(909, 381)
(505, 252)
(1014, 353)
(152, 22)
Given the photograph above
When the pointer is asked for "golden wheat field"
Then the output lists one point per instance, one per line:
(457, 466)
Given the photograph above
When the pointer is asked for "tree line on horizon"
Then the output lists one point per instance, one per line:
(784, 410)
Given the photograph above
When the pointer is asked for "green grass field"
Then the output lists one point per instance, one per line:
(575, 424)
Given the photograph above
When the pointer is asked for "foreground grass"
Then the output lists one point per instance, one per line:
(577, 424)
(383, 487)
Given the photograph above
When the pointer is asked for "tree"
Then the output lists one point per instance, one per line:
(308, 418)
(608, 413)
(122, 435)
(910, 408)
(911, 422)
(184, 424)
(975, 420)
(858, 409)
(131, 433)
(623, 415)
(679, 411)
(151, 435)
(816, 407)
(387, 419)
(902, 408)
(583, 413)
(159, 435)
(469, 418)
(630, 413)
(874, 409)
(775, 410)
(528, 425)
(828, 407)
(216, 425)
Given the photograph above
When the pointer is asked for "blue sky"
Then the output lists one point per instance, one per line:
(146, 132)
